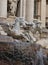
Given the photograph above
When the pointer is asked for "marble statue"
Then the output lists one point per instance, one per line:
(12, 7)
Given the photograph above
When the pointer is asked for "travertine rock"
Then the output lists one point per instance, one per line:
(2, 32)
(4, 38)
(43, 42)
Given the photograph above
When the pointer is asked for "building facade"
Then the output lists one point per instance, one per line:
(29, 9)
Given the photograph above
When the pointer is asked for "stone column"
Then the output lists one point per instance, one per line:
(29, 10)
(3, 8)
(21, 3)
(43, 12)
(39, 9)
(22, 8)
